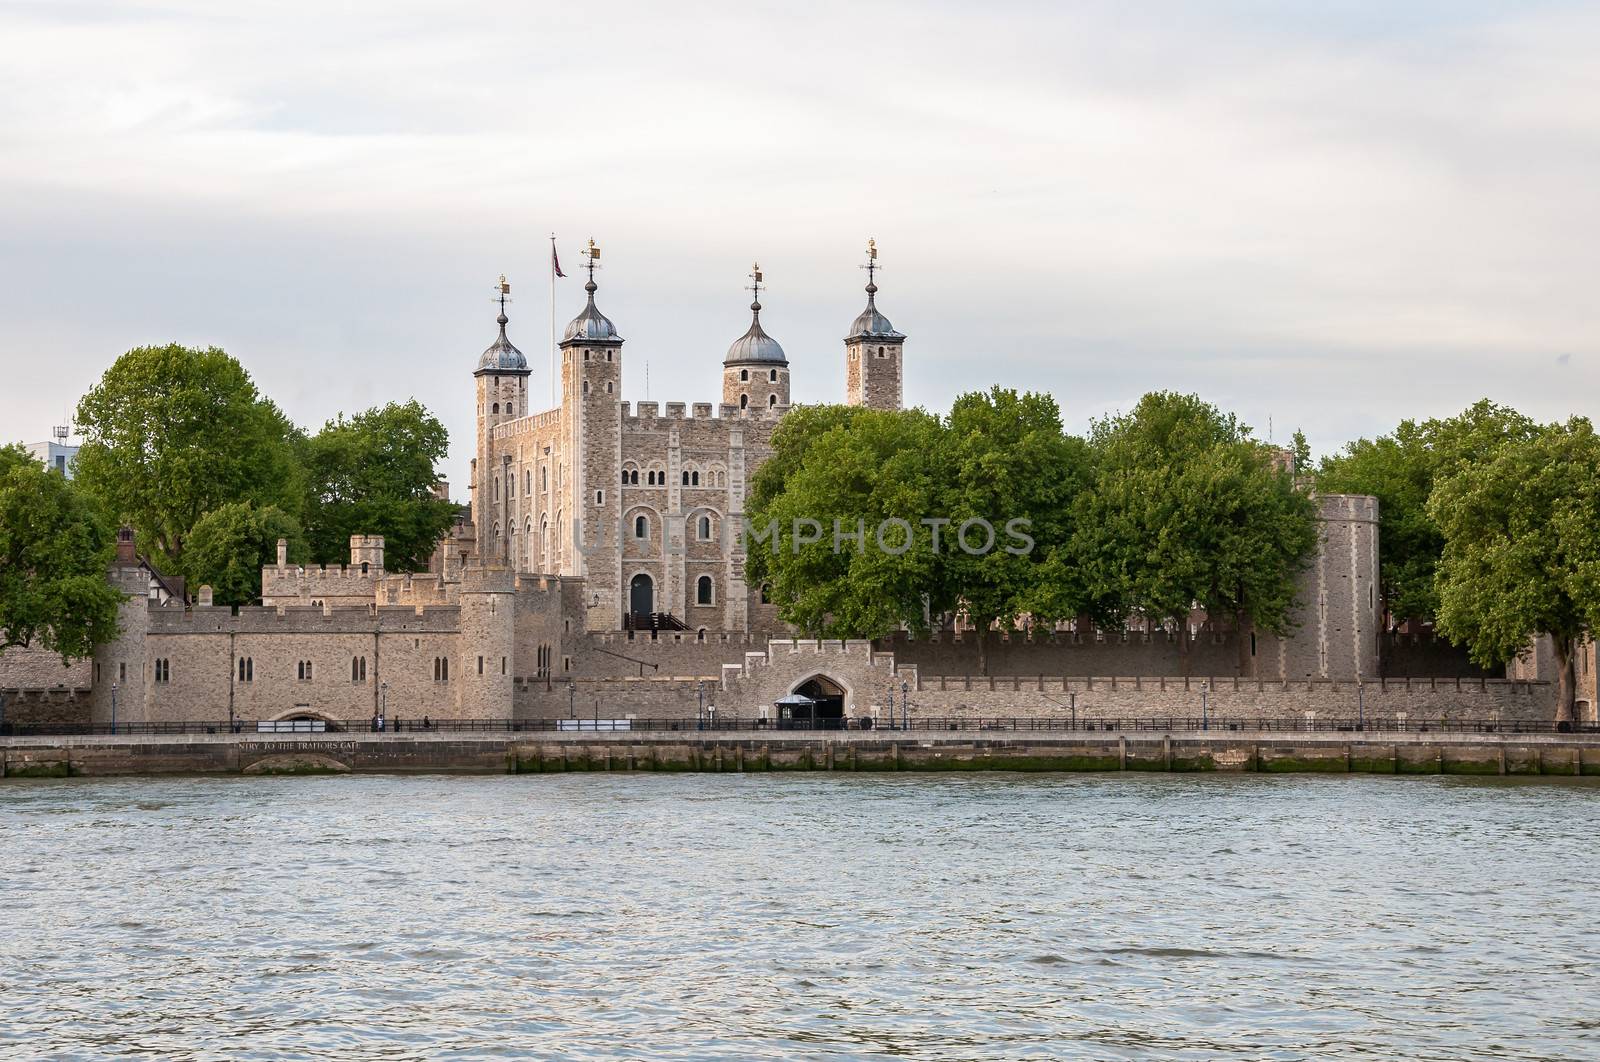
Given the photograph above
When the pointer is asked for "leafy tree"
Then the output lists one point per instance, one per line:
(54, 551)
(229, 546)
(1301, 449)
(1008, 459)
(1187, 509)
(171, 433)
(1521, 525)
(843, 473)
(1401, 470)
(375, 473)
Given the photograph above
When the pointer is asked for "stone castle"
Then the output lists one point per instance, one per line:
(600, 575)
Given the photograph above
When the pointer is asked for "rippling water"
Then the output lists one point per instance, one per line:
(812, 916)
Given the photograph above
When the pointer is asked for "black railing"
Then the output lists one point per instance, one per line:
(1219, 726)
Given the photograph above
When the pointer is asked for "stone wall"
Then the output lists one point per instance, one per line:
(32, 668)
(22, 707)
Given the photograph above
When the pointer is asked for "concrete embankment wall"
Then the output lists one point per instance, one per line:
(1397, 753)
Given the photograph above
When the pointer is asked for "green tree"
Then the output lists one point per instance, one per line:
(171, 433)
(1521, 526)
(1009, 460)
(375, 473)
(1400, 470)
(230, 545)
(842, 474)
(54, 552)
(1188, 510)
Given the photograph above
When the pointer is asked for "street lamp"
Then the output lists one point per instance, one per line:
(113, 707)
(572, 699)
(892, 724)
(1205, 721)
(905, 703)
(1073, 700)
(383, 702)
(700, 713)
(1361, 707)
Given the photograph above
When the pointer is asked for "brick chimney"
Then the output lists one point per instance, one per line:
(127, 557)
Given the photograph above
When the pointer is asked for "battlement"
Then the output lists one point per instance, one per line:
(635, 412)
(523, 425)
(253, 619)
(1347, 508)
(323, 580)
(488, 579)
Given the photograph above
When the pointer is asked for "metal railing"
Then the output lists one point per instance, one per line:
(721, 724)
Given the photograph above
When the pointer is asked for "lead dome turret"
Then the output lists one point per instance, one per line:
(755, 346)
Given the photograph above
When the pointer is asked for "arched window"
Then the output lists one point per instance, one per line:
(586, 387)
(766, 594)
(880, 352)
(694, 479)
(705, 529)
(497, 488)
(702, 590)
(496, 407)
(772, 375)
(685, 478)
(247, 669)
(511, 409)
(608, 387)
(641, 527)
(772, 401)
(744, 401)
(544, 477)
(358, 669)
(624, 477)
(635, 479)
(700, 635)
(364, 567)
(744, 375)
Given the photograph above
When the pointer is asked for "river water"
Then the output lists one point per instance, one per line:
(800, 916)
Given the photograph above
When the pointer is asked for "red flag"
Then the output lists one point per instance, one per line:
(555, 262)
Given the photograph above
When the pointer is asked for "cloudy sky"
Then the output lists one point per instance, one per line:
(1324, 215)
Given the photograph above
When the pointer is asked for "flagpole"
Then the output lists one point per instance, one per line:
(555, 398)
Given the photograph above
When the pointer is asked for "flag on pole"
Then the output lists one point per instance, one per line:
(555, 261)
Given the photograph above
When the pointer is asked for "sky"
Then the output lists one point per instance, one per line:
(1327, 216)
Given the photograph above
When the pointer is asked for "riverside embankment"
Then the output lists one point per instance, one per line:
(1265, 752)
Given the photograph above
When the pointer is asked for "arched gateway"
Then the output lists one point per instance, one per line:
(828, 699)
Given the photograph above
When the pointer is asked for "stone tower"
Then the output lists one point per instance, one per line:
(591, 405)
(755, 373)
(873, 350)
(483, 687)
(502, 379)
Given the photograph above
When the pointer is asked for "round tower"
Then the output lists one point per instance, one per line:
(755, 372)
(873, 350)
(502, 386)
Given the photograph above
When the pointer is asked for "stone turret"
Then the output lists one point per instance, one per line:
(874, 365)
(755, 372)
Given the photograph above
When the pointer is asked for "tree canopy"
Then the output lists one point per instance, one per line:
(1521, 528)
(54, 551)
(839, 473)
(1012, 520)
(230, 545)
(171, 433)
(1401, 470)
(374, 473)
(1187, 509)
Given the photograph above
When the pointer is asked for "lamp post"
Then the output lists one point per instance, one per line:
(1072, 698)
(383, 701)
(700, 713)
(1361, 706)
(572, 699)
(113, 707)
(892, 724)
(905, 703)
(1205, 720)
